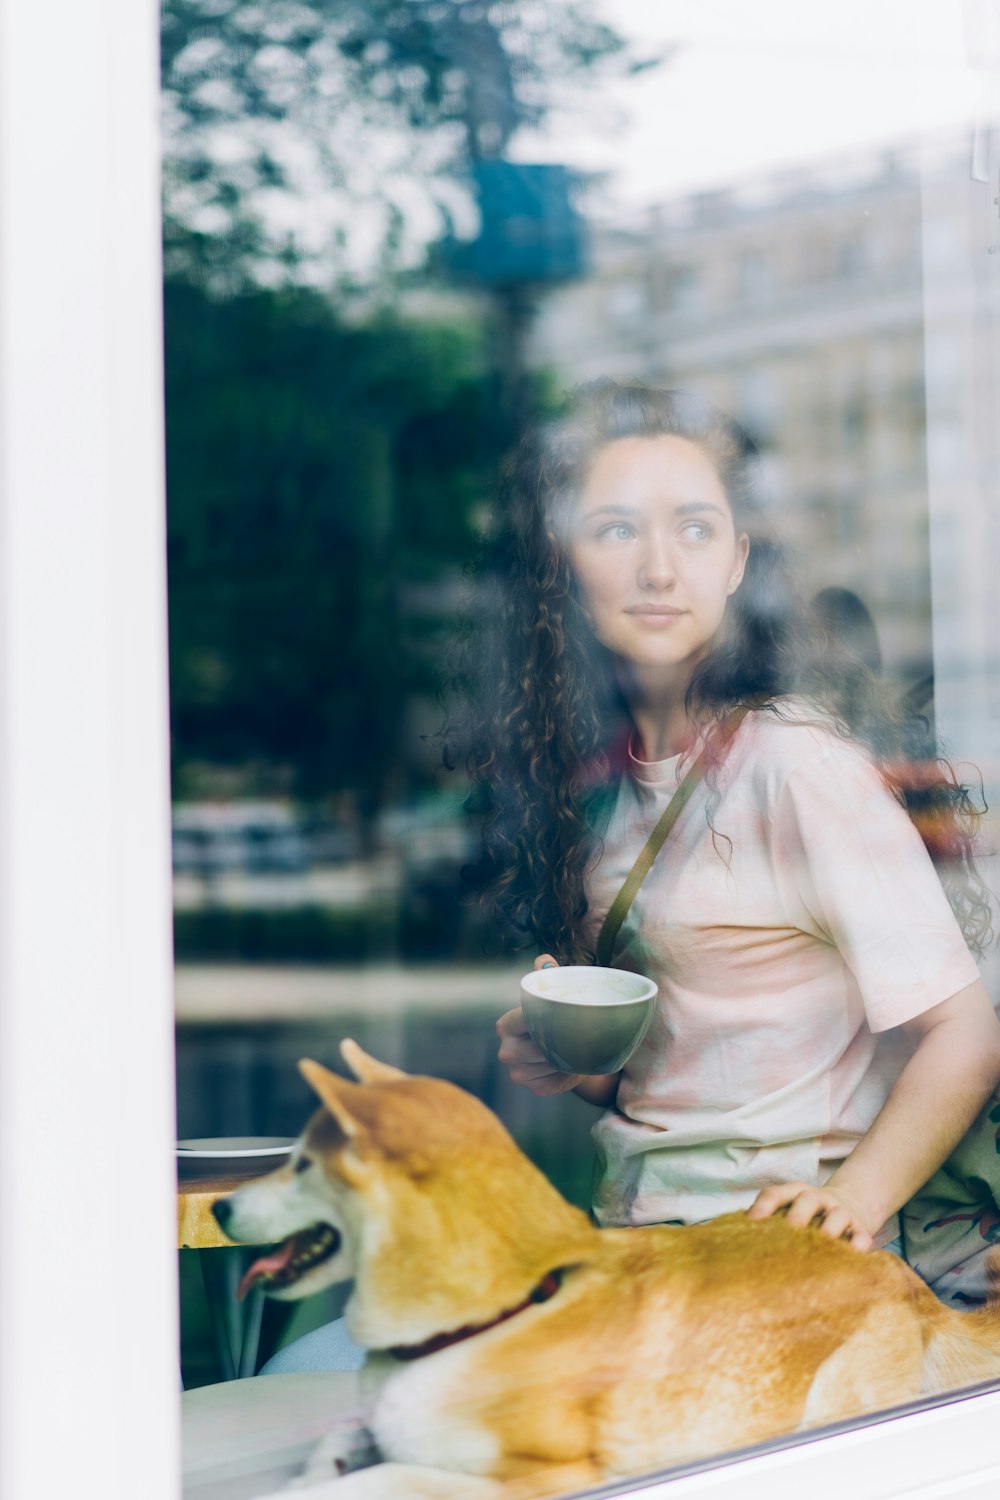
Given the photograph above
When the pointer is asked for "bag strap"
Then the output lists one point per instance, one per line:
(620, 905)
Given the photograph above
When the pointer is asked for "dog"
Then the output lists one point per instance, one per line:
(517, 1350)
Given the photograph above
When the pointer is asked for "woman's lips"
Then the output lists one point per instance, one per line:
(655, 614)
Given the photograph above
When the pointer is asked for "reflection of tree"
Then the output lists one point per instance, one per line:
(322, 476)
(318, 476)
(358, 98)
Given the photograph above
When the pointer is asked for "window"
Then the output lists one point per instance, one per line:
(340, 406)
(354, 337)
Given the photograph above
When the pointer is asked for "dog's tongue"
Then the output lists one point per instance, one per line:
(266, 1266)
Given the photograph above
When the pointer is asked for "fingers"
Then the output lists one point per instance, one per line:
(771, 1200)
(516, 1047)
(526, 1063)
(545, 961)
(532, 1069)
(838, 1224)
(512, 1024)
(806, 1206)
(803, 1204)
(547, 1085)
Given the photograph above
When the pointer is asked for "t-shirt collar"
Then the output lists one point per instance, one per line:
(653, 772)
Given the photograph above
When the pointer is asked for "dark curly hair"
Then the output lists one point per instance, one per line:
(546, 724)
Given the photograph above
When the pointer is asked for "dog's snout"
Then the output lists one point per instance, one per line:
(223, 1211)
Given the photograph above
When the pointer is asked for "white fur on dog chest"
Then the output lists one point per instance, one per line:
(416, 1417)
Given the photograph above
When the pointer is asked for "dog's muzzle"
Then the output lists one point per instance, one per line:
(290, 1260)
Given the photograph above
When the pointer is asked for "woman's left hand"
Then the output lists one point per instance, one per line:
(830, 1209)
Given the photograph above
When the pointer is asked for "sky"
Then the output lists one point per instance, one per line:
(760, 85)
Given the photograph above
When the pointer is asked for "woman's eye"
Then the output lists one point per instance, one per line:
(618, 531)
(697, 531)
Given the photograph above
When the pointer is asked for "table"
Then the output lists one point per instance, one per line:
(235, 1325)
(248, 1438)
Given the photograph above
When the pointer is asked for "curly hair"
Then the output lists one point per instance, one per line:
(547, 726)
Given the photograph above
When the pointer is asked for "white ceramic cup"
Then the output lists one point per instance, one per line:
(587, 1019)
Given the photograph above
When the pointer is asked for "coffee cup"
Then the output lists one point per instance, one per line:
(587, 1019)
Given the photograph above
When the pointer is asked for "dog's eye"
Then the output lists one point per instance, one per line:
(303, 1164)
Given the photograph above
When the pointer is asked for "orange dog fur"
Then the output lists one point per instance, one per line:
(650, 1347)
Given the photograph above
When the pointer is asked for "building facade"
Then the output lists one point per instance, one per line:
(796, 304)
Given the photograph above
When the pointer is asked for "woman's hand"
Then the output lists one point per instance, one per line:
(525, 1063)
(529, 1067)
(831, 1209)
(933, 1102)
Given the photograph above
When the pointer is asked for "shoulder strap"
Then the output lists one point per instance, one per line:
(633, 880)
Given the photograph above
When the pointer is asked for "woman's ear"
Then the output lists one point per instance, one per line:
(742, 553)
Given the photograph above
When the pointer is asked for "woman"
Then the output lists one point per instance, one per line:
(823, 1038)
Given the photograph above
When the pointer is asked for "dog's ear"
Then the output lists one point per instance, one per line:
(330, 1089)
(368, 1069)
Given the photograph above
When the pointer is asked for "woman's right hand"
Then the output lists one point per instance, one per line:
(525, 1063)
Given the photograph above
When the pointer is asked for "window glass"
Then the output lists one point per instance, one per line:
(422, 595)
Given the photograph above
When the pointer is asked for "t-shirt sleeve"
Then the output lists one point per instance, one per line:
(852, 865)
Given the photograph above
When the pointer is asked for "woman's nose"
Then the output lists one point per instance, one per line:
(656, 569)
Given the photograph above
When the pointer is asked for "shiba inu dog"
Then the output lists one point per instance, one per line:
(521, 1351)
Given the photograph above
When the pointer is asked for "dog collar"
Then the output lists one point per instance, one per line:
(546, 1288)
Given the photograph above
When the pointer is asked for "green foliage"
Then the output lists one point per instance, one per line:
(318, 477)
(303, 934)
(365, 101)
(326, 934)
(421, 58)
(323, 475)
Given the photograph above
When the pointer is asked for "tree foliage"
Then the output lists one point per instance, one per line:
(321, 483)
(371, 109)
(323, 475)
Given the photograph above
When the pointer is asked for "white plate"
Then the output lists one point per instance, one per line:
(235, 1147)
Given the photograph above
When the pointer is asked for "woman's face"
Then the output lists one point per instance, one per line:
(655, 550)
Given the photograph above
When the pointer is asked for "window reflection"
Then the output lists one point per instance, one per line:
(395, 237)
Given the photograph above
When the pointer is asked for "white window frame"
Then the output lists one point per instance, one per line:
(89, 1378)
(88, 1371)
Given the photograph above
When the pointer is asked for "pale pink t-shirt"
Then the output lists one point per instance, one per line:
(785, 950)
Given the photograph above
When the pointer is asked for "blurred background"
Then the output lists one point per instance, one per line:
(395, 230)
